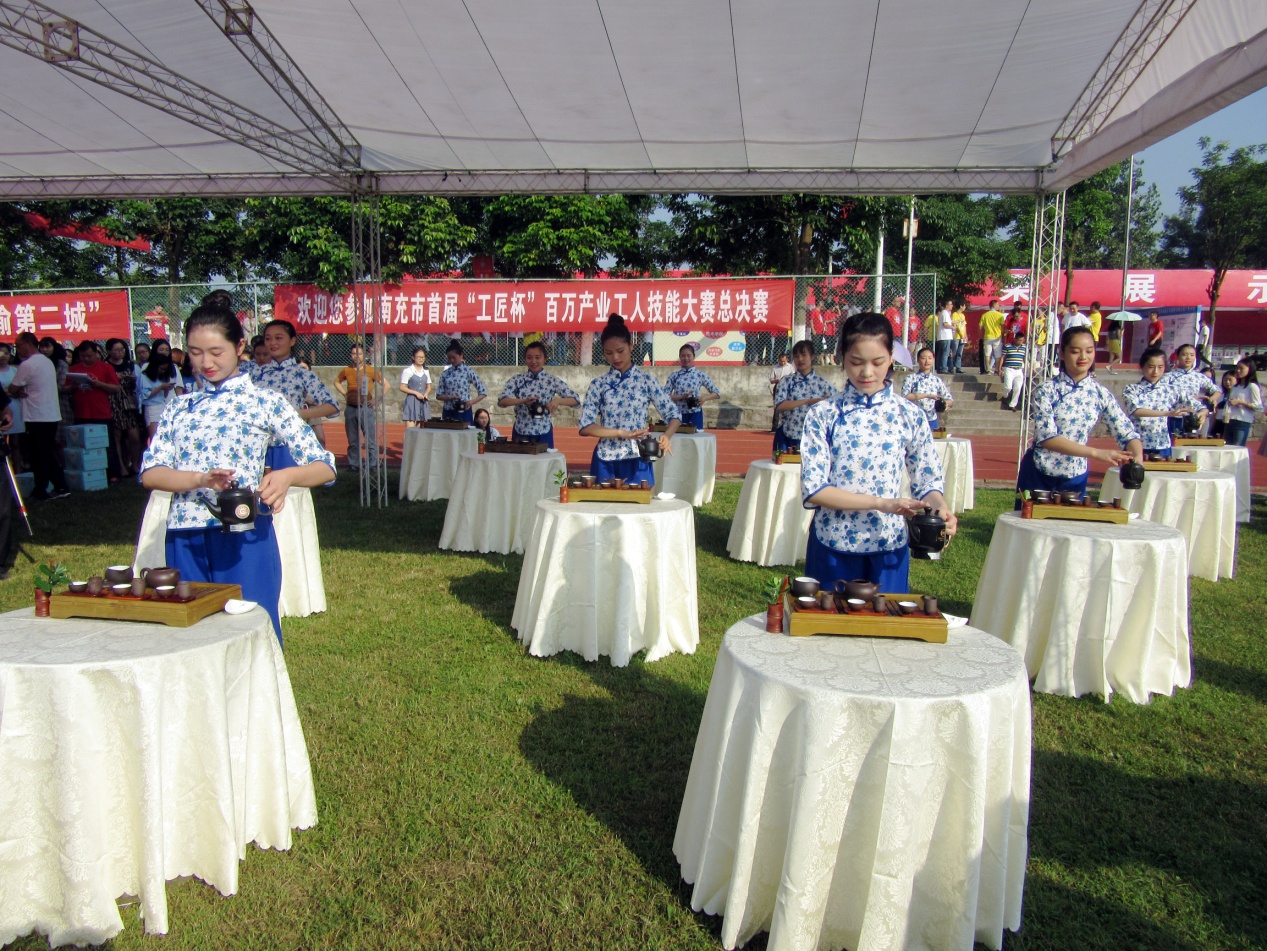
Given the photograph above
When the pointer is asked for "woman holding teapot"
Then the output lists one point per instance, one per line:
(615, 410)
(208, 440)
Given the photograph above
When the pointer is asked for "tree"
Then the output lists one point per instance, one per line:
(1221, 222)
(958, 239)
(32, 257)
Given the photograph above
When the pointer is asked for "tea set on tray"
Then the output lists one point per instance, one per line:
(854, 597)
(119, 581)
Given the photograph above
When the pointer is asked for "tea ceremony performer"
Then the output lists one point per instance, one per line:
(619, 398)
(301, 388)
(454, 388)
(1152, 403)
(797, 392)
(535, 395)
(1066, 409)
(854, 448)
(207, 440)
(1188, 381)
(925, 388)
(687, 388)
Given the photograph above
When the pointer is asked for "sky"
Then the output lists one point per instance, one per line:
(1168, 163)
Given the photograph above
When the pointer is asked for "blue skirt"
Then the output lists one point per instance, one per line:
(631, 470)
(1031, 477)
(459, 416)
(693, 417)
(782, 442)
(891, 570)
(547, 437)
(279, 457)
(249, 559)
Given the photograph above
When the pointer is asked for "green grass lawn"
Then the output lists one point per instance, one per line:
(471, 796)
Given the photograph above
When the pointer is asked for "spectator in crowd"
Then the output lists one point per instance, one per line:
(11, 437)
(1015, 324)
(455, 384)
(945, 336)
(1012, 370)
(142, 354)
(124, 408)
(484, 424)
(35, 384)
(959, 323)
(415, 383)
(1244, 402)
(536, 395)
(259, 352)
(61, 363)
(361, 385)
(925, 388)
(1218, 419)
(1204, 349)
(1115, 343)
(185, 368)
(991, 337)
(156, 384)
(690, 388)
(1156, 329)
(6, 490)
(1074, 317)
(92, 381)
(1094, 320)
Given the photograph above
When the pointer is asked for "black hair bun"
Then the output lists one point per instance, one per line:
(615, 322)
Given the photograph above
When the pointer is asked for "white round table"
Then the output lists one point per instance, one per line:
(956, 461)
(303, 585)
(690, 473)
(860, 792)
(1094, 607)
(771, 526)
(1201, 504)
(494, 499)
(609, 578)
(429, 461)
(137, 753)
(1233, 459)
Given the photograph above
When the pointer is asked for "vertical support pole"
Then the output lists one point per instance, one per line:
(879, 274)
(910, 256)
(1044, 293)
(367, 294)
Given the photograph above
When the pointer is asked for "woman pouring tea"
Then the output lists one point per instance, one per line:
(615, 410)
(207, 440)
(855, 446)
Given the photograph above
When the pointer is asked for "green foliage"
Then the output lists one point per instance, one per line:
(771, 590)
(47, 577)
(957, 239)
(556, 236)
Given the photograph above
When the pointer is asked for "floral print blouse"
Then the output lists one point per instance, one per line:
(925, 383)
(798, 386)
(620, 401)
(1065, 408)
(1154, 431)
(545, 387)
(456, 382)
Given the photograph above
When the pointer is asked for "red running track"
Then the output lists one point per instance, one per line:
(994, 457)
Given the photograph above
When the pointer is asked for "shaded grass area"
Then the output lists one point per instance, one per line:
(473, 797)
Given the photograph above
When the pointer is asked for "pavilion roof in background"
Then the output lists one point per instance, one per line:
(557, 96)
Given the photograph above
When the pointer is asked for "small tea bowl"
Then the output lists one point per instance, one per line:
(907, 607)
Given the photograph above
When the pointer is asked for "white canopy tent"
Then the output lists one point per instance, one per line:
(163, 97)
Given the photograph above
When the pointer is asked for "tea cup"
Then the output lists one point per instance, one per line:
(119, 574)
(588, 481)
(879, 604)
(119, 590)
(184, 590)
(79, 587)
(137, 588)
(907, 607)
(807, 604)
(930, 604)
(165, 590)
(855, 604)
(805, 586)
(618, 483)
(95, 584)
(827, 600)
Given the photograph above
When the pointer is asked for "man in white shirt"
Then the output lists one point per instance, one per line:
(1074, 318)
(945, 336)
(35, 384)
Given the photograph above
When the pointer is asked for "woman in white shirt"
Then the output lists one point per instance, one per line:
(1244, 402)
(415, 383)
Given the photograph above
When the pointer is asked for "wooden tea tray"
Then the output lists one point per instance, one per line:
(683, 430)
(520, 448)
(208, 599)
(642, 496)
(1164, 466)
(787, 458)
(444, 424)
(1077, 513)
(940, 434)
(1197, 441)
(893, 623)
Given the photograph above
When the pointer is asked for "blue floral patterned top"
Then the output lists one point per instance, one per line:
(797, 386)
(1190, 382)
(1154, 431)
(544, 387)
(620, 400)
(861, 444)
(925, 383)
(1065, 408)
(226, 427)
(689, 380)
(300, 386)
(456, 382)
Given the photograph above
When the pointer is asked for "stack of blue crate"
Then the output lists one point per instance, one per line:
(86, 448)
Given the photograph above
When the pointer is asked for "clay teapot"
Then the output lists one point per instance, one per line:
(859, 588)
(927, 534)
(1191, 425)
(1131, 475)
(939, 406)
(236, 508)
(538, 409)
(649, 447)
(158, 577)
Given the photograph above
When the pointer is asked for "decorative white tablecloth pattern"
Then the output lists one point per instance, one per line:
(857, 792)
(136, 753)
(956, 460)
(1201, 504)
(1093, 607)
(303, 585)
(1233, 459)
(494, 500)
(609, 578)
(429, 461)
(690, 473)
(771, 526)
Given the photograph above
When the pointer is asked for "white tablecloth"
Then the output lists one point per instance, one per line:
(956, 461)
(429, 461)
(857, 792)
(1200, 504)
(1233, 459)
(771, 526)
(609, 578)
(303, 585)
(1094, 607)
(691, 471)
(136, 753)
(494, 500)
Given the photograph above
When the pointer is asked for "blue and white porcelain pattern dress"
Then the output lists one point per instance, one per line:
(455, 384)
(1190, 383)
(1154, 431)
(926, 383)
(798, 386)
(300, 387)
(545, 387)
(619, 401)
(1065, 408)
(689, 380)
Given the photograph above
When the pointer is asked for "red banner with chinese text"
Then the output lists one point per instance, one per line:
(739, 304)
(69, 317)
(1145, 288)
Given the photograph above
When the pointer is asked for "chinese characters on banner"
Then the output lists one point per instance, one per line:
(70, 317)
(1145, 290)
(723, 304)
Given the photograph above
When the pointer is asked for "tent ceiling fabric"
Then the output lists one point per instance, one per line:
(552, 96)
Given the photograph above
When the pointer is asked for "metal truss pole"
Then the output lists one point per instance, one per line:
(367, 294)
(1044, 296)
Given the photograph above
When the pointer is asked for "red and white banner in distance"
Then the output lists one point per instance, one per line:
(728, 304)
(75, 316)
